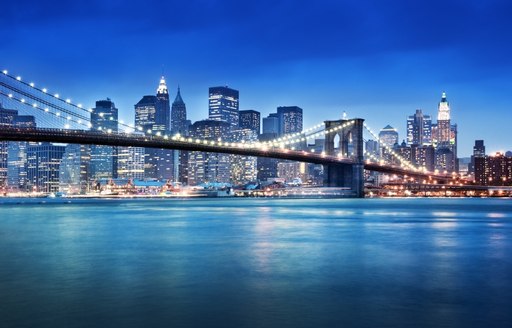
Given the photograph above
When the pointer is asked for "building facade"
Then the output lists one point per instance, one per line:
(103, 164)
(223, 105)
(43, 170)
(419, 129)
(209, 167)
(290, 119)
(250, 119)
(180, 125)
(493, 170)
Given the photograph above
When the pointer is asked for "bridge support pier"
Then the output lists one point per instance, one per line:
(346, 175)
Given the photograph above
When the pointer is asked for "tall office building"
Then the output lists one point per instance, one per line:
(478, 152)
(244, 168)
(43, 170)
(290, 119)
(17, 156)
(267, 167)
(250, 119)
(145, 113)
(74, 169)
(130, 163)
(209, 167)
(180, 125)
(372, 148)
(444, 135)
(163, 110)
(223, 105)
(271, 124)
(419, 129)
(388, 138)
(104, 117)
(152, 114)
(443, 121)
(6, 119)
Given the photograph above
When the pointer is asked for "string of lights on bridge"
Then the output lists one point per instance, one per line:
(403, 162)
(281, 142)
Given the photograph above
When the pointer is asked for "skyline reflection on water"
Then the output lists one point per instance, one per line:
(256, 263)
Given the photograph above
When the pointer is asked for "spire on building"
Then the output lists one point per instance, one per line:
(443, 97)
(178, 98)
(162, 87)
(443, 113)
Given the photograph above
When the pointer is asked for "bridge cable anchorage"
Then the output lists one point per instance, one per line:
(404, 163)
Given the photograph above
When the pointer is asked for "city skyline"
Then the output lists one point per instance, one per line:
(347, 58)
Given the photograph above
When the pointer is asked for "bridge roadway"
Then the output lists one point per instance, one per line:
(152, 141)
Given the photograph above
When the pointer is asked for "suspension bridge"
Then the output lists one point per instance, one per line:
(63, 121)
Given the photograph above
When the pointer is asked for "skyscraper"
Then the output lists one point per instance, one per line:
(478, 152)
(444, 135)
(43, 170)
(104, 158)
(130, 163)
(443, 121)
(271, 124)
(17, 157)
(152, 114)
(223, 105)
(179, 116)
(388, 137)
(290, 119)
(250, 119)
(209, 167)
(180, 124)
(163, 111)
(74, 169)
(145, 113)
(419, 129)
(7, 117)
(244, 168)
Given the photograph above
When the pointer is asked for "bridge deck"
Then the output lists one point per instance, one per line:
(133, 140)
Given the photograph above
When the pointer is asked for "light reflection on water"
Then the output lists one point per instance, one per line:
(256, 263)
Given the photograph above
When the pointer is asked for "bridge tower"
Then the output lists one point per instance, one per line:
(346, 175)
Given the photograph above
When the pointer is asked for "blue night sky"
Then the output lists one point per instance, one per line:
(375, 59)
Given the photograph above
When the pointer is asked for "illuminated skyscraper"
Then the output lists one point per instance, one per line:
(104, 158)
(43, 170)
(250, 119)
(74, 169)
(419, 129)
(180, 124)
(223, 105)
(388, 137)
(209, 167)
(7, 117)
(152, 114)
(444, 135)
(163, 111)
(290, 119)
(443, 121)
(271, 124)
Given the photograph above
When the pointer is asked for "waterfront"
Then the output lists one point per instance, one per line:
(256, 263)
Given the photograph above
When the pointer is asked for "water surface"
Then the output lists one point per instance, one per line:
(256, 263)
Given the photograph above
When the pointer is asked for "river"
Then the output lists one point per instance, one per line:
(256, 263)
